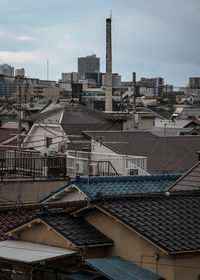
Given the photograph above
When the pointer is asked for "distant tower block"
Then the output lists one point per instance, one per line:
(108, 103)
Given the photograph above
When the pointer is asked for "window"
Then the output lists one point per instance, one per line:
(48, 141)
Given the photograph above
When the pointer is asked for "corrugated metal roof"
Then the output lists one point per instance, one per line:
(120, 269)
(83, 275)
(29, 252)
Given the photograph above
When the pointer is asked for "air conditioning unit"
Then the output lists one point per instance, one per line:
(79, 167)
(130, 171)
(94, 169)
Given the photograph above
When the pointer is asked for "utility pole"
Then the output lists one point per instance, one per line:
(89, 188)
(19, 137)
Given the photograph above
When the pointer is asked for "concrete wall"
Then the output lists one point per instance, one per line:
(31, 191)
(133, 247)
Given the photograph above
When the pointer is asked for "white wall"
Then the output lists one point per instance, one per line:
(37, 136)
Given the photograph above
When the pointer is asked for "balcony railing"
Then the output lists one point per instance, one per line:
(30, 165)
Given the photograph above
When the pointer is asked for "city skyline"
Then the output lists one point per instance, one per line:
(151, 38)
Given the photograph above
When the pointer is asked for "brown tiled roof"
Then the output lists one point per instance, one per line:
(6, 133)
(12, 216)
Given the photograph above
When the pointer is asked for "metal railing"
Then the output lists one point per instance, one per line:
(31, 165)
(104, 164)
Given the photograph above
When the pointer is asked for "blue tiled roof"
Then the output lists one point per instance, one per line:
(121, 185)
(120, 269)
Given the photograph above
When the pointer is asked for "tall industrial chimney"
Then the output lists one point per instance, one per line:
(108, 103)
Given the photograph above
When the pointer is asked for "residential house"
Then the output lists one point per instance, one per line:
(169, 155)
(173, 131)
(65, 121)
(189, 181)
(186, 113)
(93, 187)
(55, 245)
(160, 232)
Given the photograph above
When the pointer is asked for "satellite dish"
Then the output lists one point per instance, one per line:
(45, 152)
(62, 147)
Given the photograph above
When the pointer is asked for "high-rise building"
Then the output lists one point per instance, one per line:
(20, 72)
(7, 70)
(70, 77)
(7, 86)
(156, 83)
(116, 80)
(97, 77)
(88, 64)
(194, 82)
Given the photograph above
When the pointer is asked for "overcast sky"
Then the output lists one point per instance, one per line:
(151, 37)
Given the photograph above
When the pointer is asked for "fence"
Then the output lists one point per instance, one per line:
(31, 165)
(104, 164)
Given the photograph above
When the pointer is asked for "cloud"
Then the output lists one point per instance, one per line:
(13, 57)
(23, 38)
(3, 33)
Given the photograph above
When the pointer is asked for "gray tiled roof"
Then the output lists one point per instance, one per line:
(171, 222)
(81, 118)
(77, 230)
(11, 217)
(172, 154)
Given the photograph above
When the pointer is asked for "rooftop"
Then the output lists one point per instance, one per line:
(189, 181)
(120, 269)
(12, 216)
(28, 252)
(171, 222)
(75, 229)
(165, 154)
(114, 185)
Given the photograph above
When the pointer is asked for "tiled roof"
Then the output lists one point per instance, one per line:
(6, 133)
(172, 154)
(82, 118)
(114, 185)
(75, 229)
(189, 181)
(12, 216)
(171, 222)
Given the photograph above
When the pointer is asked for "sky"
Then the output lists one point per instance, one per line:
(154, 38)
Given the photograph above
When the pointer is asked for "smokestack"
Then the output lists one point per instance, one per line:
(134, 91)
(108, 101)
(134, 99)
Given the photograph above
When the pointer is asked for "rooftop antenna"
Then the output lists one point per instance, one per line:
(47, 69)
